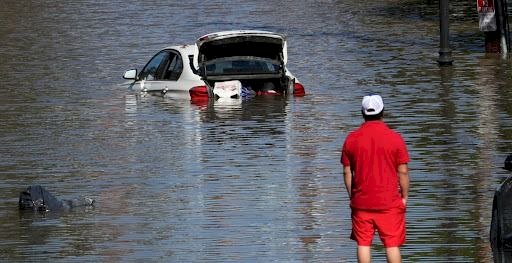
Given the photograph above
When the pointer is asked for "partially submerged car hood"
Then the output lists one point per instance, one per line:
(251, 43)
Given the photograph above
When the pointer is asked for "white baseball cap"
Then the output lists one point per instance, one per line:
(372, 104)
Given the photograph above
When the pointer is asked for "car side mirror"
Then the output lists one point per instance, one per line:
(130, 74)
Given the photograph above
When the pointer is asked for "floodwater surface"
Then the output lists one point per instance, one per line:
(258, 181)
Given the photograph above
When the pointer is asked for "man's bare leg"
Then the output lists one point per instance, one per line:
(393, 255)
(363, 254)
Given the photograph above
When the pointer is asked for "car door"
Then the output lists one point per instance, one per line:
(162, 72)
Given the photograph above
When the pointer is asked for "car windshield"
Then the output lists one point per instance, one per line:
(241, 66)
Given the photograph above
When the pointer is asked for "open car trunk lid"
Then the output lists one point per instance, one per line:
(241, 55)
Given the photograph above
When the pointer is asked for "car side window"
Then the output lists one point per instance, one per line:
(174, 68)
(154, 69)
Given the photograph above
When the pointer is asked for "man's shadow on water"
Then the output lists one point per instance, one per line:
(501, 223)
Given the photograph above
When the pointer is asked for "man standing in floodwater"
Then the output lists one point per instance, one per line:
(374, 159)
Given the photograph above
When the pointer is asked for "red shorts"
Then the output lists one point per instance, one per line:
(389, 223)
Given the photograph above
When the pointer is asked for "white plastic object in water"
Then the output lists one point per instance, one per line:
(228, 89)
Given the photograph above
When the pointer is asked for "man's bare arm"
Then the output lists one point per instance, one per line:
(347, 175)
(403, 175)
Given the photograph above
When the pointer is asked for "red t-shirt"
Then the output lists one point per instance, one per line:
(374, 152)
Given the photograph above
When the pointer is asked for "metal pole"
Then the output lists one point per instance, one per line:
(445, 54)
(507, 28)
(499, 22)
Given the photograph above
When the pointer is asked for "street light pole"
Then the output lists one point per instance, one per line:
(445, 54)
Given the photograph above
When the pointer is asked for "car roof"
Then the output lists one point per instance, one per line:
(184, 49)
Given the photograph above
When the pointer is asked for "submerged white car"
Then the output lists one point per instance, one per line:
(229, 63)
